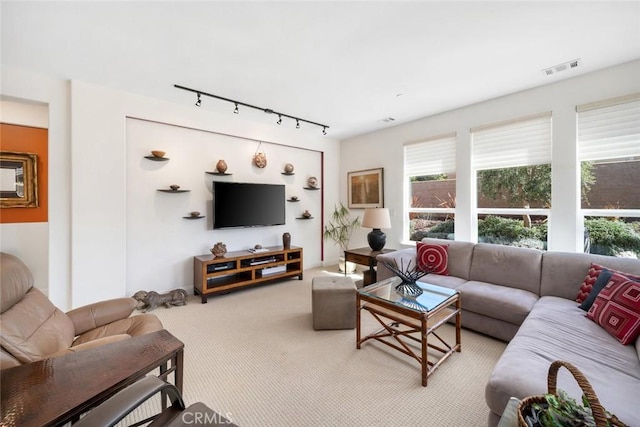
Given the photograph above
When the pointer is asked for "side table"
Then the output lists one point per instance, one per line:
(48, 392)
(365, 256)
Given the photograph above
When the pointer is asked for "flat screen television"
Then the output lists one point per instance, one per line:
(237, 204)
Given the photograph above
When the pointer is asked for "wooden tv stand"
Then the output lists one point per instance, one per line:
(214, 275)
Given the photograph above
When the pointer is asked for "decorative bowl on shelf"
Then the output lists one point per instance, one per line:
(294, 198)
(195, 214)
(306, 214)
(158, 153)
(174, 187)
(312, 182)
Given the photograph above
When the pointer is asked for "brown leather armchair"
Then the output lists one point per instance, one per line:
(32, 328)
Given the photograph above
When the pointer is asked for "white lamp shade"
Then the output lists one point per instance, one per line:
(376, 218)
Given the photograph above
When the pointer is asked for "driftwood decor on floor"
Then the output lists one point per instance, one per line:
(148, 301)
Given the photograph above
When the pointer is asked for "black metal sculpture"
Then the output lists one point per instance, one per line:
(409, 276)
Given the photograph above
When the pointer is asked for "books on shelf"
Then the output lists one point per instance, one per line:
(256, 251)
(262, 261)
(274, 270)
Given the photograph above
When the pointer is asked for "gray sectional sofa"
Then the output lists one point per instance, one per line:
(527, 297)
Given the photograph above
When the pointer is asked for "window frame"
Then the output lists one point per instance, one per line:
(407, 208)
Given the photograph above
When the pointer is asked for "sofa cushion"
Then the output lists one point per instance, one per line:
(130, 326)
(508, 266)
(16, 280)
(450, 282)
(499, 302)
(564, 272)
(617, 308)
(603, 279)
(34, 328)
(556, 329)
(402, 258)
(493, 327)
(432, 258)
(592, 277)
(460, 254)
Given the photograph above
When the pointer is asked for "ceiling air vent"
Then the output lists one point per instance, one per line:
(387, 120)
(561, 67)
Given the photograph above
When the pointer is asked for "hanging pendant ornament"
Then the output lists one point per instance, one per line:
(260, 158)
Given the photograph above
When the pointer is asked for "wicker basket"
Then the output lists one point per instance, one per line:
(599, 414)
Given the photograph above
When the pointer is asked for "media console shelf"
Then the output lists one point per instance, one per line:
(214, 275)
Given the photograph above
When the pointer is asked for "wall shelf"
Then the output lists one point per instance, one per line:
(193, 217)
(168, 190)
(311, 188)
(302, 217)
(293, 200)
(157, 159)
(288, 173)
(218, 173)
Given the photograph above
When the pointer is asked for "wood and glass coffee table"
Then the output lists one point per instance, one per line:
(406, 318)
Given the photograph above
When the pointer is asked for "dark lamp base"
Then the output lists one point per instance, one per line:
(376, 239)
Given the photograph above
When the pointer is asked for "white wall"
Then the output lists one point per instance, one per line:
(44, 247)
(88, 258)
(385, 149)
(17, 238)
(18, 112)
(161, 243)
(102, 159)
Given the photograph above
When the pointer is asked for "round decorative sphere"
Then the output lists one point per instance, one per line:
(221, 166)
(312, 182)
(288, 168)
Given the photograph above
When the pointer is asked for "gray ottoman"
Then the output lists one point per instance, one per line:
(333, 302)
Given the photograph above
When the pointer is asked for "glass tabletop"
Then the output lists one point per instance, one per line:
(432, 295)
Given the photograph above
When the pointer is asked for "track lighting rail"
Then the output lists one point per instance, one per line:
(280, 115)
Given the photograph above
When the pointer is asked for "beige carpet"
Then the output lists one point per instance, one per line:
(254, 357)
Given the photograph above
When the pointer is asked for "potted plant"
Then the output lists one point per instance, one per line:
(339, 229)
(556, 408)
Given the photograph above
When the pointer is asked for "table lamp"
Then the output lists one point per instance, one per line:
(376, 218)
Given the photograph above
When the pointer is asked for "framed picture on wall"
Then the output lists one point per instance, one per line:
(19, 180)
(366, 188)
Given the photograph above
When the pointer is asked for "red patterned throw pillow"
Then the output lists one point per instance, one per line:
(433, 258)
(617, 308)
(590, 280)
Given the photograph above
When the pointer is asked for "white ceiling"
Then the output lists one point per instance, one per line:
(347, 64)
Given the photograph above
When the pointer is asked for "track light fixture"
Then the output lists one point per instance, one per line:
(265, 110)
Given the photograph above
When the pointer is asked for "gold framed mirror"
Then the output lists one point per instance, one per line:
(18, 180)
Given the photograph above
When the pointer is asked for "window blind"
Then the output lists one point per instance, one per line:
(609, 129)
(520, 142)
(431, 157)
